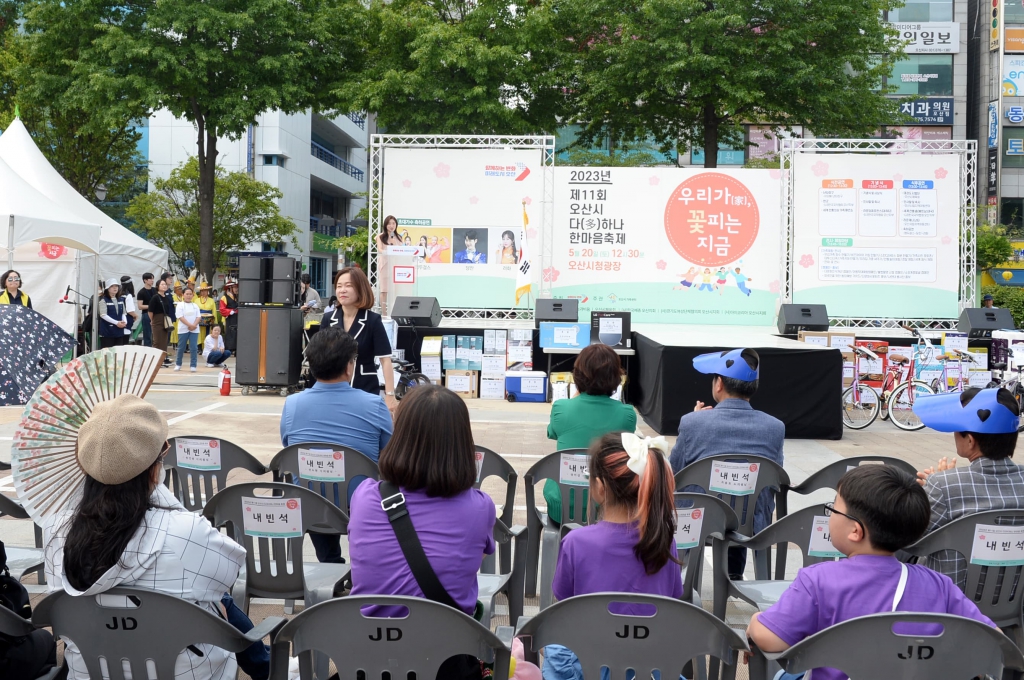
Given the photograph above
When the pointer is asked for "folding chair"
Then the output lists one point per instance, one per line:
(287, 467)
(153, 631)
(828, 476)
(494, 465)
(510, 582)
(190, 482)
(667, 639)
(13, 625)
(867, 647)
(418, 642)
(22, 561)
(545, 535)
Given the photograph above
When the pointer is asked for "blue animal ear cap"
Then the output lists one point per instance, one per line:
(982, 413)
(728, 364)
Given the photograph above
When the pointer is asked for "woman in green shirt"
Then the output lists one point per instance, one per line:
(578, 421)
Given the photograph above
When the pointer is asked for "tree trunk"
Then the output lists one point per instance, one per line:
(207, 175)
(710, 137)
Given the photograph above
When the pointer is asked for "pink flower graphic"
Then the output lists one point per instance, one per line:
(406, 183)
(550, 275)
(442, 170)
(806, 260)
(775, 174)
(527, 200)
(774, 286)
(820, 169)
(941, 173)
(661, 264)
(946, 240)
(473, 200)
(531, 233)
(898, 177)
(654, 180)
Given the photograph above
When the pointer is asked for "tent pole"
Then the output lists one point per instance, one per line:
(77, 278)
(94, 285)
(10, 242)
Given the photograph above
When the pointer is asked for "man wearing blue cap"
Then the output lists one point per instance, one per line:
(984, 425)
(732, 426)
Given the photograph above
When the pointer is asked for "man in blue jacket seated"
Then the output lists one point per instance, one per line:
(332, 411)
(731, 426)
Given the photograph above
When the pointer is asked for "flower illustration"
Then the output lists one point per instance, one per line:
(946, 240)
(661, 264)
(941, 173)
(820, 169)
(898, 177)
(473, 200)
(442, 170)
(406, 183)
(527, 200)
(654, 180)
(806, 260)
(532, 233)
(550, 275)
(774, 286)
(775, 174)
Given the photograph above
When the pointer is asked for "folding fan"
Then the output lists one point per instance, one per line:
(47, 476)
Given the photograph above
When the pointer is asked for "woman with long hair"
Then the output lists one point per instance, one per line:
(388, 236)
(507, 253)
(113, 315)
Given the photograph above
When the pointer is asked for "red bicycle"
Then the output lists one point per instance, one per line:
(900, 389)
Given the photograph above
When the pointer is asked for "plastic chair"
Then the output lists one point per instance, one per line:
(494, 465)
(770, 476)
(156, 630)
(867, 647)
(285, 466)
(545, 535)
(828, 476)
(417, 643)
(510, 582)
(15, 626)
(194, 487)
(667, 640)
(22, 561)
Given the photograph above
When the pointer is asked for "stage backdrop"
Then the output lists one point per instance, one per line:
(453, 199)
(877, 236)
(670, 245)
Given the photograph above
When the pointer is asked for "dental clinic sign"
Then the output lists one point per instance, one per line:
(934, 37)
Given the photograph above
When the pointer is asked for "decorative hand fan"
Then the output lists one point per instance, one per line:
(47, 476)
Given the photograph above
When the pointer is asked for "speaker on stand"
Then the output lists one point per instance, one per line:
(796, 318)
(269, 352)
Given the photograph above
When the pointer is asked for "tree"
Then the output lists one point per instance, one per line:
(245, 211)
(993, 248)
(689, 72)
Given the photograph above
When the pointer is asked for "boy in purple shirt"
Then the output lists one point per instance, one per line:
(878, 510)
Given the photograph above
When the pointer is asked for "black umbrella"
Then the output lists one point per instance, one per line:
(30, 346)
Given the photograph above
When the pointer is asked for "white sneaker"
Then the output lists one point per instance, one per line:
(193, 369)
(210, 366)
(177, 368)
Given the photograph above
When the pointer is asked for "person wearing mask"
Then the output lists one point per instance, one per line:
(131, 306)
(143, 298)
(311, 303)
(113, 315)
(228, 306)
(129, 530)
(187, 313)
(10, 290)
(353, 315)
(207, 309)
(213, 349)
(161, 317)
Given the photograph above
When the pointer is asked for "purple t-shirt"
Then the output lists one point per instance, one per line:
(599, 558)
(832, 592)
(455, 532)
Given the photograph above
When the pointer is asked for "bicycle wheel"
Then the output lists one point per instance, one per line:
(901, 404)
(860, 408)
(409, 381)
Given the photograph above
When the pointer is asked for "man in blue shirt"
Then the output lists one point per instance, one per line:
(471, 255)
(332, 411)
(732, 426)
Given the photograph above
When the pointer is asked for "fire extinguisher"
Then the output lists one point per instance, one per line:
(225, 382)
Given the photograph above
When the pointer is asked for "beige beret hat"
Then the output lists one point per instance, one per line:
(122, 439)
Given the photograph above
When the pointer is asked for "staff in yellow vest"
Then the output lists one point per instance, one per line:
(12, 294)
(207, 309)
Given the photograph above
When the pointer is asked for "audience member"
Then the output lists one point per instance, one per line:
(129, 530)
(23, 657)
(213, 349)
(143, 298)
(188, 314)
(576, 422)
(732, 426)
(878, 510)
(11, 292)
(113, 315)
(984, 425)
(131, 307)
(633, 548)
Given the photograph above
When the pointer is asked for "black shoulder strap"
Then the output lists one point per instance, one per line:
(393, 503)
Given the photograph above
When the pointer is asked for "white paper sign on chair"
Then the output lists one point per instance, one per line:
(821, 541)
(735, 479)
(574, 469)
(688, 526)
(322, 465)
(198, 454)
(479, 457)
(272, 517)
(998, 546)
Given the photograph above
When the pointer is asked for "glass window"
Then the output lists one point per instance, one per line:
(924, 74)
(318, 275)
(916, 10)
(726, 155)
(1013, 11)
(1011, 213)
(1013, 147)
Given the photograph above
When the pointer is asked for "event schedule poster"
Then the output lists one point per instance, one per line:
(464, 209)
(669, 245)
(877, 236)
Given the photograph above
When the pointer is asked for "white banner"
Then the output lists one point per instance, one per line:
(934, 37)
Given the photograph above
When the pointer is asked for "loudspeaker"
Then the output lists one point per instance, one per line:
(281, 268)
(796, 318)
(416, 311)
(282, 292)
(979, 322)
(251, 292)
(269, 346)
(547, 309)
(250, 267)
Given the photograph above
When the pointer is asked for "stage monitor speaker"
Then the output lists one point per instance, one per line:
(282, 292)
(796, 318)
(416, 311)
(281, 268)
(547, 309)
(269, 346)
(251, 292)
(250, 267)
(979, 322)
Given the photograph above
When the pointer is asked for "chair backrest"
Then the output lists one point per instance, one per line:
(147, 626)
(867, 647)
(273, 564)
(807, 529)
(995, 589)
(567, 465)
(828, 476)
(417, 643)
(12, 508)
(676, 633)
(13, 625)
(769, 475)
(716, 520)
(293, 463)
(494, 465)
(197, 467)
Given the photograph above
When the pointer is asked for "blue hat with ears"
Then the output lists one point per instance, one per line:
(982, 412)
(728, 364)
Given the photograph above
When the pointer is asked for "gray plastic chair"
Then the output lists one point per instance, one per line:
(494, 465)
(285, 466)
(828, 476)
(15, 626)
(418, 643)
(22, 561)
(867, 647)
(156, 630)
(545, 535)
(510, 582)
(675, 634)
(194, 487)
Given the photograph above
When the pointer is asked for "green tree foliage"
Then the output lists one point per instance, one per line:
(689, 72)
(993, 247)
(245, 211)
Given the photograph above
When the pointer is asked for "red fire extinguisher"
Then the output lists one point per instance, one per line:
(225, 382)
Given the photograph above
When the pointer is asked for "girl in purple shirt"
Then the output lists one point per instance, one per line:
(632, 549)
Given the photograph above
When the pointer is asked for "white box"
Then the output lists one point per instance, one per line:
(431, 367)
(494, 367)
(492, 388)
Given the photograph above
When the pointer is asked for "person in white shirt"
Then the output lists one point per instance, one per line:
(130, 305)
(213, 349)
(187, 313)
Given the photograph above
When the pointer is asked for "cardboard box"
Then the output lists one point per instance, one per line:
(492, 388)
(951, 340)
(466, 384)
(469, 352)
(448, 352)
(520, 349)
(819, 338)
(841, 339)
(848, 358)
(431, 367)
(493, 367)
(873, 372)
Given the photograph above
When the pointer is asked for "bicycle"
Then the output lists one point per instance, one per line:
(941, 385)
(1015, 384)
(899, 393)
(861, 402)
(406, 378)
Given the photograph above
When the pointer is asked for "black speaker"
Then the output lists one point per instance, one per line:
(250, 267)
(796, 318)
(547, 309)
(269, 346)
(281, 268)
(282, 292)
(416, 311)
(251, 292)
(979, 322)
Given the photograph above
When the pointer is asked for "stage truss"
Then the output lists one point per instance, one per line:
(967, 150)
(544, 143)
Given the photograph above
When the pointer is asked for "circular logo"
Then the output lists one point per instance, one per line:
(753, 467)
(711, 219)
(214, 443)
(51, 251)
(695, 514)
(819, 528)
(337, 455)
(292, 504)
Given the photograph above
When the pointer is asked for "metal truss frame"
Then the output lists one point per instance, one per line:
(544, 143)
(968, 159)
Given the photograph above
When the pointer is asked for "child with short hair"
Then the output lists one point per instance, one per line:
(632, 549)
(878, 510)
